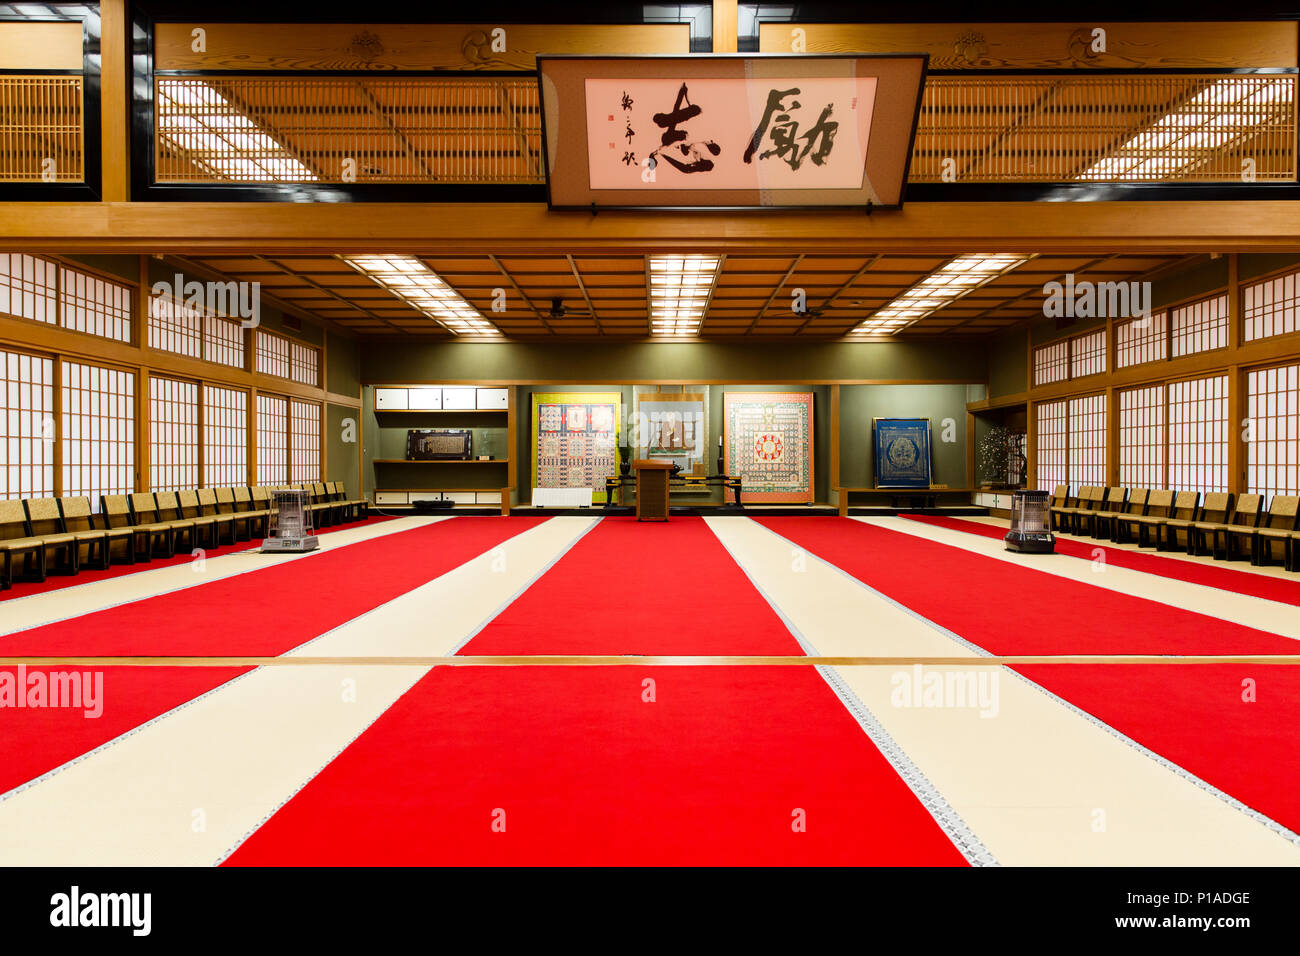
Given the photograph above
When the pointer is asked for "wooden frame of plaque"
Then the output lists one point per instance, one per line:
(439, 444)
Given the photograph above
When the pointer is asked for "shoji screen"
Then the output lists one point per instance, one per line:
(272, 440)
(1050, 452)
(98, 431)
(26, 425)
(225, 437)
(173, 434)
(1271, 307)
(1142, 437)
(1087, 441)
(1273, 451)
(1199, 327)
(304, 442)
(1198, 434)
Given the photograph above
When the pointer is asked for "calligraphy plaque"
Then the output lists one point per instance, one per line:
(729, 130)
(447, 444)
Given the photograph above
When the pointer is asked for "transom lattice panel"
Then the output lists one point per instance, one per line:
(1116, 128)
(264, 129)
(43, 141)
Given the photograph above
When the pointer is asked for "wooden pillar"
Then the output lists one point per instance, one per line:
(251, 475)
(1238, 406)
(726, 26)
(835, 445)
(55, 428)
(1031, 445)
(115, 174)
(143, 416)
(970, 450)
(1112, 436)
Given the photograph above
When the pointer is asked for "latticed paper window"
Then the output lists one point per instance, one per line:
(1142, 340)
(305, 362)
(28, 287)
(173, 434)
(304, 441)
(225, 436)
(26, 425)
(1273, 430)
(1271, 307)
(1051, 363)
(1087, 441)
(1142, 437)
(1050, 449)
(1088, 354)
(1200, 326)
(93, 305)
(272, 440)
(272, 354)
(1198, 434)
(98, 431)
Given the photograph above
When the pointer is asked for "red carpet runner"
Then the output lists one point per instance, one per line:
(1223, 577)
(264, 612)
(581, 770)
(1192, 715)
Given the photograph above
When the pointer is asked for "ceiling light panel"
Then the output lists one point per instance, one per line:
(680, 287)
(946, 284)
(416, 284)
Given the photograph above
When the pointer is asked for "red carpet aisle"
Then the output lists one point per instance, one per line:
(580, 769)
(1225, 578)
(1192, 715)
(57, 582)
(264, 612)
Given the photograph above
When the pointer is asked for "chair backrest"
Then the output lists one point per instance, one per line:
(144, 508)
(169, 509)
(243, 498)
(1282, 512)
(1248, 510)
(189, 502)
(76, 514)
(1216, 506)
(1114, 498)
(261, 496)
(1158, 503)
(1184, 507)
(13, 519)
(225, 500)
(116, 510)
(335, 492)
(318, 492)
(207, 502)
(1090, 497)
(43, 516)
(1137, 501)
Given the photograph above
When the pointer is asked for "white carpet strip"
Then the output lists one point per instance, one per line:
(189, 787)
(1037, 783)
(1231, 606)
(46, 607)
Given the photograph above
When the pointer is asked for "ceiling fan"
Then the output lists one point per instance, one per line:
(559, 310)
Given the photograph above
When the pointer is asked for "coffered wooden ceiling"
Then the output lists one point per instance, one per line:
(754, 295)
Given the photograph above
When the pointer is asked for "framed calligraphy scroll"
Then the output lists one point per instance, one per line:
(729, 131)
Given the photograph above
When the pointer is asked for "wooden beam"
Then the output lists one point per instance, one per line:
(527, 301)
(582, 287)
(1097, 228)
(835, 444)
(776, 290)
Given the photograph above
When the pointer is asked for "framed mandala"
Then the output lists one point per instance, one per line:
(769, 443)
(575, 439)
(902, 452)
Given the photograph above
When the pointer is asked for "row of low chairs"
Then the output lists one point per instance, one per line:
(1220, 526)
(62, 535)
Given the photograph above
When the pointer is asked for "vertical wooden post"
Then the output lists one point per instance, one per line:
(56, 427)
(251, 471)
(1238, 406)
(726, 26)
(1031, 445)
(835, 445)
(115, 173)
(143, 417)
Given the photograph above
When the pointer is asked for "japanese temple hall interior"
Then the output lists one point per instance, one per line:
(691, 435)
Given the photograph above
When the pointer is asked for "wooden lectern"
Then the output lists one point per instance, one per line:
(651, 489)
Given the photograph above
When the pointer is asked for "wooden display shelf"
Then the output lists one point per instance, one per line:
(441, 461)
(504, 492)
(927, 496)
